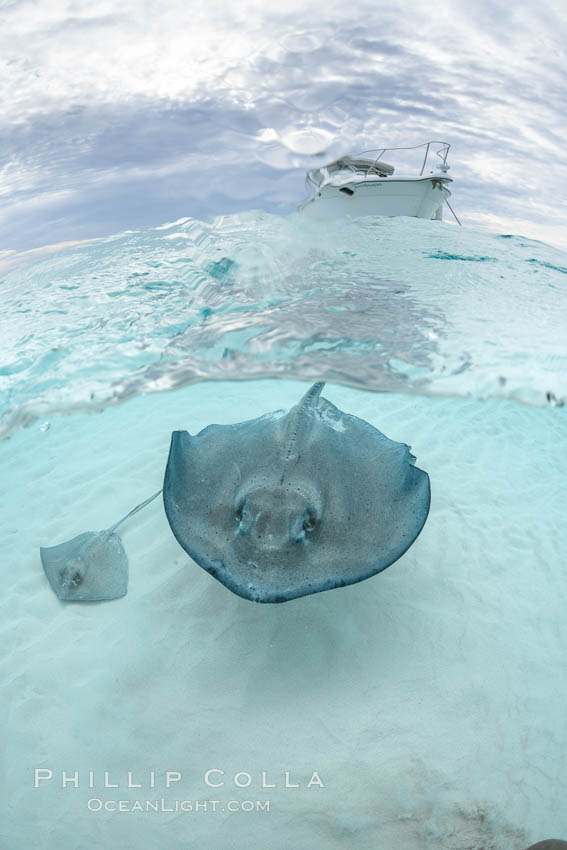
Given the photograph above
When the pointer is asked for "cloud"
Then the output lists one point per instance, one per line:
(119, 120)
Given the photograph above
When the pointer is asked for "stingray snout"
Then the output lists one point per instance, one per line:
(274, 518)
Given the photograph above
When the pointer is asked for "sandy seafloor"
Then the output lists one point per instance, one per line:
(430, 699)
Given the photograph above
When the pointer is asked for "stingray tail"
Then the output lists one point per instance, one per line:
(133, 511)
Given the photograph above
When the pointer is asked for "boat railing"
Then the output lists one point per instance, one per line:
(371, 161)
(442, 152)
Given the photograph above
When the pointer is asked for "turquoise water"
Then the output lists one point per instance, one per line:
(429, 698)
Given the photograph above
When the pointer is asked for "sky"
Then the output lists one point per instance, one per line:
(116, 117)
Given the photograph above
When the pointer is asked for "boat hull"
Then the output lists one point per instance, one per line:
(416, 197)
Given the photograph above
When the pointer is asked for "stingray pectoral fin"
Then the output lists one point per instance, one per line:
(177, 486)
(191, 480)
(402, 499)
(376, 501)
(414, 507)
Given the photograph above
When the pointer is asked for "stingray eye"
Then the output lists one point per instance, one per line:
(309, 520)
(240, 511)
(242, 517)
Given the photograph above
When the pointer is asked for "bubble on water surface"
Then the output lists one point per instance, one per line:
(307, 141)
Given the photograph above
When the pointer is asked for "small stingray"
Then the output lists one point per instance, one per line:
(291, 504)
(91, 567)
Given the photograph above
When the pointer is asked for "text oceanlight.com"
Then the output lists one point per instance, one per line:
(95, 804)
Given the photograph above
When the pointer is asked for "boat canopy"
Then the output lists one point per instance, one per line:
(383, 169)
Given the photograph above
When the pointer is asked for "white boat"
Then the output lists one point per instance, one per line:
(364, 184)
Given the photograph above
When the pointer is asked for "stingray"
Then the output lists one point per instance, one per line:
(92, 566)
(294, 503)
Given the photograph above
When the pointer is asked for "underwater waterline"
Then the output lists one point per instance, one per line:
(402, 305)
